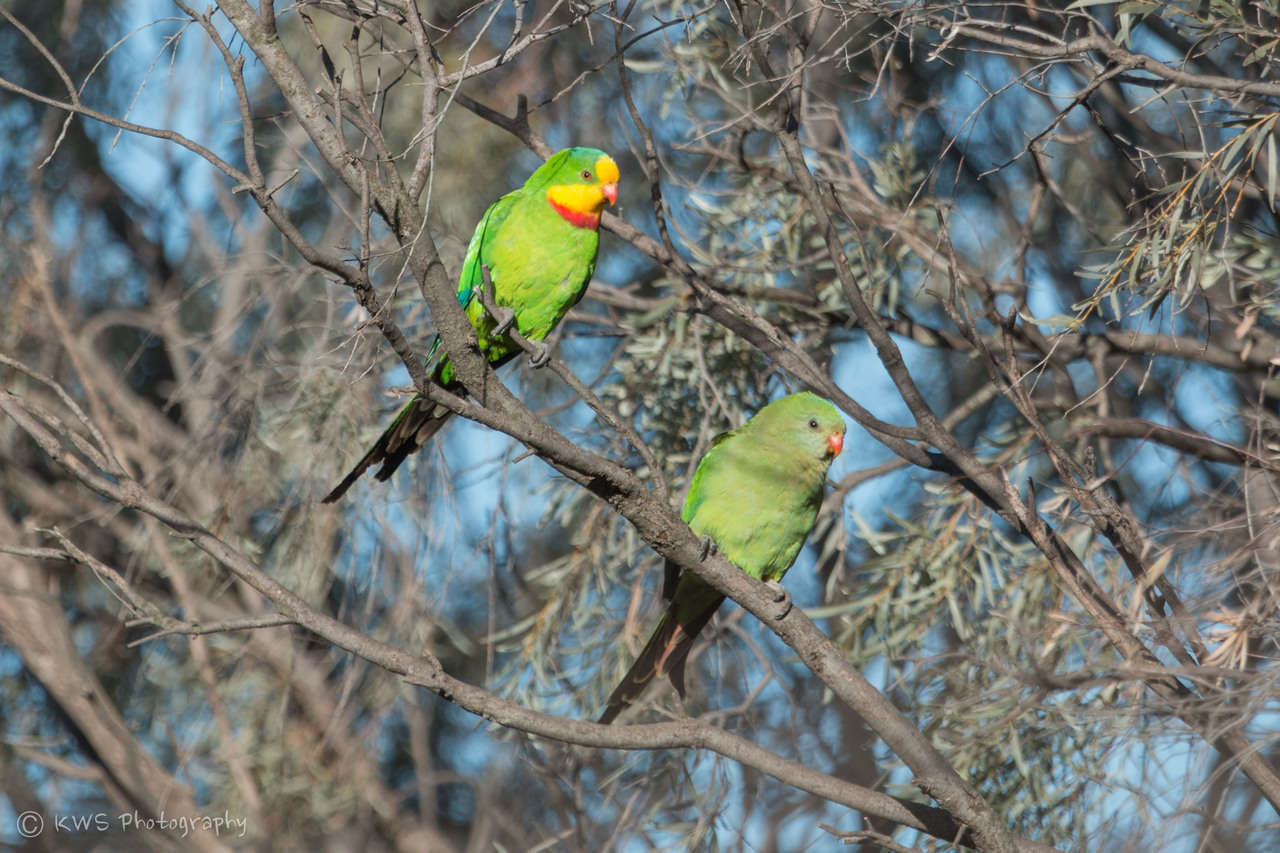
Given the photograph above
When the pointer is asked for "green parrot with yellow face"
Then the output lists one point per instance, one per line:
(755, 494)
(539, 244)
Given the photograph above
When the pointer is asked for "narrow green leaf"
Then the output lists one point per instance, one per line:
(1271, 170)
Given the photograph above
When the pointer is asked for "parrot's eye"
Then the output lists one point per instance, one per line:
(586, 174)
(813, 423)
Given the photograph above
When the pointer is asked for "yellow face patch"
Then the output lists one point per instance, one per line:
(580, 198)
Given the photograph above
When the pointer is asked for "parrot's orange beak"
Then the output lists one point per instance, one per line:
(836, 443)
(610, 191)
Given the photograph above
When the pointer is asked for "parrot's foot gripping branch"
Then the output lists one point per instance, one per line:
(539, 353)
(781, 597)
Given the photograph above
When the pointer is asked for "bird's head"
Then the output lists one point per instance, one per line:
(579, 182)
(806, 423)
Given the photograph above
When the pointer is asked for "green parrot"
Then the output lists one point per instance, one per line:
(755, 495)
(539, 243)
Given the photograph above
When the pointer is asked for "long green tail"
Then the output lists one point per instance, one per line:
(415, 423)
(665, 654)
(413, 427)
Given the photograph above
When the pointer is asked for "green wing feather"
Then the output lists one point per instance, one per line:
(490, 228)
(472, 279)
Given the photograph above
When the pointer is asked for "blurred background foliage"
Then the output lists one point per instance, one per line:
(1011, 192)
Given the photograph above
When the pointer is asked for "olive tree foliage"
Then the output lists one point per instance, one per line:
(1028, 249)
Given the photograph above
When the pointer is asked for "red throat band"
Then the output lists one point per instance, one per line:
(576, 218)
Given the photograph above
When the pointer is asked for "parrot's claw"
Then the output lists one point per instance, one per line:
(781, 597)
(541, 356)
(708, 548)
(506, 319)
